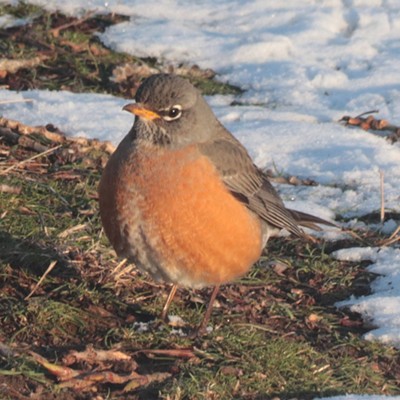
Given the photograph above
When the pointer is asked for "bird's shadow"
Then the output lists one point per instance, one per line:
(25, 261)
(25, 254)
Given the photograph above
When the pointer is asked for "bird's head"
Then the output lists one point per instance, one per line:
(170, 111)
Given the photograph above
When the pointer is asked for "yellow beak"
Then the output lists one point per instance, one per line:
(141, 111)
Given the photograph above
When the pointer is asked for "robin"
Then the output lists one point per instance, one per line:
(182, 199)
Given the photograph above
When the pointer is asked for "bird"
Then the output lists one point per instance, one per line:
(182, 199)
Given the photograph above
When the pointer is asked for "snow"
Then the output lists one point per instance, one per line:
(79, 114)
(304, 64)
(382, 307)
(8, 21)
(345, 162)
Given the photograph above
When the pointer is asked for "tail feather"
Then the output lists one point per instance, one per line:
(310, 221)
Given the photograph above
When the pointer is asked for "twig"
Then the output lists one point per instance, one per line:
(106, 146)
(29, 143)
(14, 131)
(95, 356)
(180, 353)
(48, 270)
(290, 179)
(371, 123)
(256, 326)
(13, 65)
(23, 129)
(5, 171)
(120, 265)
(56, 31)
(10, 189)
(122, 270)
(74, 229)
(391, 239)
(16, 101)
(395, 233)
(367, 113)
(355, 235)
(382, 177)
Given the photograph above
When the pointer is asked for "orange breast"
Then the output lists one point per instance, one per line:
(196, 230)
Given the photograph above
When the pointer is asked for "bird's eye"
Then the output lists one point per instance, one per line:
(172, 113)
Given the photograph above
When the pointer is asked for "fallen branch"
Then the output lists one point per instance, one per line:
(12, 66)
(22, 129)
(371, 123)
(92, 356)
(106, 146)
(290, 180)
(69, 231)
(20, 163)
(56, 31)
(179, 353)
(84, 380)
(18, 133)
(24, 141)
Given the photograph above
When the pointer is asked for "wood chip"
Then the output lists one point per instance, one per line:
(10, 189)
(13, 65)
(74, 229)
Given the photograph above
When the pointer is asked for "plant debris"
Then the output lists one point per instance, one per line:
(82, 322)
(57, 52)
(8, 66)
(18, 133)
(78, 324)
(289, 179)
(371, 123)
(85, 379)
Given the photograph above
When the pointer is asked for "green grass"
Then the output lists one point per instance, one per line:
(74, 59)
(21, 10)
(249, 364)
(275, 333)
(263, 343)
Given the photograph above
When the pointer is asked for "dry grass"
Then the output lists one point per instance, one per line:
(76, 323)
(275, 333)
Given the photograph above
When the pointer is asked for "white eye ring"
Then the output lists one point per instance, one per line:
(172, 113)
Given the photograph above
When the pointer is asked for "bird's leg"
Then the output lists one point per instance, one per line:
(164, 313)
(202, 328)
